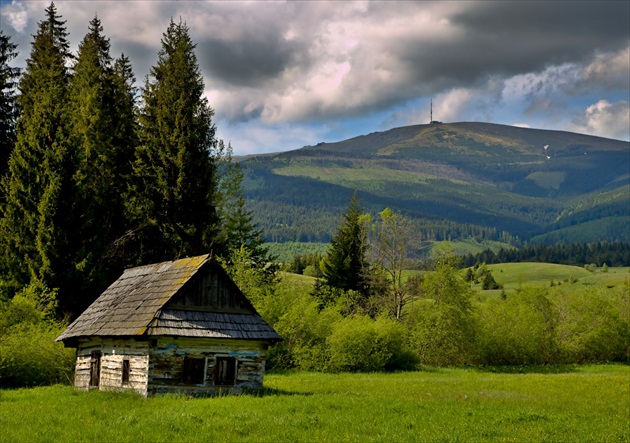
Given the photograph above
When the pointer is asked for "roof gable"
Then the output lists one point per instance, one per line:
(133, 304)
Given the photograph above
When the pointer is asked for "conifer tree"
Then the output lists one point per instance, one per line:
(8, 104)
(238, 230)
(100, 135)
(171, 200)
(34, 225)
(346, 265)
(125, 124)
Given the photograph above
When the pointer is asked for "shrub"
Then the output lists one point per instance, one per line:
(519, 329)
(29, 355)
(591, 326)
(360, 343)
(443, 334)
(296, 316)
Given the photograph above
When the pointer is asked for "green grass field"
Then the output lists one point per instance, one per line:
(514, 276)
(565, 404)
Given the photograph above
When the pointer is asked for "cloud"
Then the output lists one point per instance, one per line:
(275, 64)
(605, 119)
(16, 15)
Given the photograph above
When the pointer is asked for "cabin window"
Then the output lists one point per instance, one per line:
(194, 370)
(126, 369)
(95, 368)
(225, 371)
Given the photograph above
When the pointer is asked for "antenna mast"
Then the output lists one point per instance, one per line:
(431, 120)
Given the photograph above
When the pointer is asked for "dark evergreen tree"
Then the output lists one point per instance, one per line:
(100, 136)
(171, 200)
(34, 227)
(124, 120)
(346, 265)
(8, 103)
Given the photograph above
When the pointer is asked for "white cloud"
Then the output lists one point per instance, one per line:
(605, 119)
(16, 15)
(254, 137)
(609, 70)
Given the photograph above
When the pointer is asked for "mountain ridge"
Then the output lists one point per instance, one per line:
(500, 178)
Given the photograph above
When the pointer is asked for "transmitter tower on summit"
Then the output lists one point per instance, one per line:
(433, 122)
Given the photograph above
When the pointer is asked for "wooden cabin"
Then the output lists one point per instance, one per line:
(180, 326)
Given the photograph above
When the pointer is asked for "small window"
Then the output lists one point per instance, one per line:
(225, 371)
(194, 370)
(126, 369)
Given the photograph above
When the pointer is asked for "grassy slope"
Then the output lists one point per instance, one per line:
(517, 275)
(587, 403)
(482, 174)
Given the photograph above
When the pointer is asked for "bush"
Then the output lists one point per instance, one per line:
(29, 355)
(360, 343)
(443, 334)
(519, 330)
(591, 326)
(304, 326)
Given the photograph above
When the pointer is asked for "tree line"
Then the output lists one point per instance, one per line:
(98, 175)
(576, 254)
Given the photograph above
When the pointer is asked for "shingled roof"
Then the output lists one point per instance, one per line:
(137, 304)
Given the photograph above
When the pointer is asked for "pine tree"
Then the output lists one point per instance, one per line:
(171, 200)
(9, 110)
(346, 265)
(34, 225)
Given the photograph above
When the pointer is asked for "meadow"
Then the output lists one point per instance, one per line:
(495, 404)
(514, 276)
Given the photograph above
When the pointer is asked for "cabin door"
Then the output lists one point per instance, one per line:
(95, 368)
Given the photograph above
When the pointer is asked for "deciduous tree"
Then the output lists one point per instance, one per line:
(395, 241)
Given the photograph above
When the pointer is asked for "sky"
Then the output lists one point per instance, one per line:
(285, 74)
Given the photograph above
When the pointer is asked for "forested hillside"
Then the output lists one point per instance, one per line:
(456, 180)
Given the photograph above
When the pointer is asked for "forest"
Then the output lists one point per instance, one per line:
(98, 176)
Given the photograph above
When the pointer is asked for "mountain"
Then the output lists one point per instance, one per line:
(457, 180)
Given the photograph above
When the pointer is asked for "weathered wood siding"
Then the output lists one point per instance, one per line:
(156, 366)
(113, 353)
(166, 364)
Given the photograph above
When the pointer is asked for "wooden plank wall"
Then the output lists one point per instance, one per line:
(156, 366)
(166, 364)
(113, 352)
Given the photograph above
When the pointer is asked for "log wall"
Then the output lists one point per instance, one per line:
(156, 365)
(113, 353)
(166, 364)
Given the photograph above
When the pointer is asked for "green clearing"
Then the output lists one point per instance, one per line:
(563, 404)
(515, 275)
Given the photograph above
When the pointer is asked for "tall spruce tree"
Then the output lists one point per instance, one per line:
(171, 200)
(34, 225)
(125, 124)
(8, 103)
(100, 135)
(346, 265)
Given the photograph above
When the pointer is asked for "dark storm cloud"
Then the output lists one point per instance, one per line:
(510, 38)
(246, 62)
